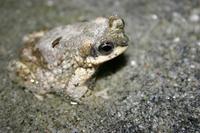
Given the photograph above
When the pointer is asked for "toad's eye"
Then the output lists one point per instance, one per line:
(106, 48)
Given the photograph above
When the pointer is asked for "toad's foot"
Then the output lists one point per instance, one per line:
(39, 97)
(77, 85)
(77, 92)
(103, 94)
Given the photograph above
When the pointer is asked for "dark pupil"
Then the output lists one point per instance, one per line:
(106, 48)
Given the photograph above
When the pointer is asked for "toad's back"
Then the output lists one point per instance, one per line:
(63, 42)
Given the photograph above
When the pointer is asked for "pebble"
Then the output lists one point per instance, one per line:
(133, 63)
(194, 18)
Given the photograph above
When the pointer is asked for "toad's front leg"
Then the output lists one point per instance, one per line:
(77, 85)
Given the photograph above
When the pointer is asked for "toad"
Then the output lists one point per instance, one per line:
(65, 59)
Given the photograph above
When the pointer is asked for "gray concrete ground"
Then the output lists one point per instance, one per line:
(153, 87)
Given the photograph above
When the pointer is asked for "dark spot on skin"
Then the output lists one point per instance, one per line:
(56, 42)
(40, 59)
(77, 84)
(93, 52)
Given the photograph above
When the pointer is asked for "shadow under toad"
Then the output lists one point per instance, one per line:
(112, 66)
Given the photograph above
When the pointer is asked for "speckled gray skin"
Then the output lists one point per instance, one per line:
(65, 58)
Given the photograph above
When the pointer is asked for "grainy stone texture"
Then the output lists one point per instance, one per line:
(154, 87)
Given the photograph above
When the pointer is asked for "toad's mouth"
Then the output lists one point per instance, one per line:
(103, 58)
